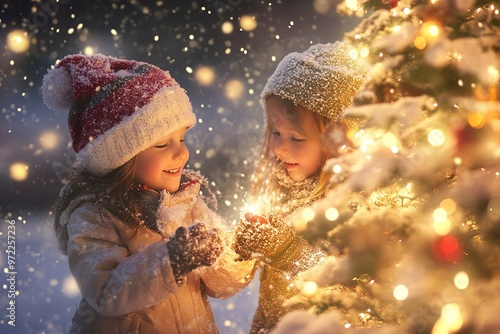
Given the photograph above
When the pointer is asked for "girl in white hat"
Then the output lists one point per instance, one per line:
(307, 92)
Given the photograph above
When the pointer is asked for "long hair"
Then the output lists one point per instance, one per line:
(115, 192)
(266, 159)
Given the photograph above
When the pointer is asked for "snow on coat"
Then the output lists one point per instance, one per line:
(125, 277)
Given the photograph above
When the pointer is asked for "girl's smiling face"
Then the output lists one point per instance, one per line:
(160, 166)
(299, 148)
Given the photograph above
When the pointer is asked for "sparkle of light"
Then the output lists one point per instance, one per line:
(337, 169)
(19, 171)
(49, 140)
(461, 280)
(450, 313)
(205, 76)
(420, 42)
(449, 205)
(352, 4)
(436, 137)
(400, 292)
(476, 119)
(248, 23)
(332, 214)
(308, 214)
(18, 41)
(227, 28)
(310, 288)
(234, 89)
(69, 287)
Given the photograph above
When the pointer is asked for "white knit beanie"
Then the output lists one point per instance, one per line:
(323, 79)
(117, 108)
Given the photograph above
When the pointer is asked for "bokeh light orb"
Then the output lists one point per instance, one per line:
(49, 140)
(18, 41)
(234, 89)
(204, 75)
(248, 23)
(19, 171)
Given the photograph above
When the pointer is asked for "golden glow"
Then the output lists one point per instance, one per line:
(88, 51)
(49, 140)
(204, 75)
(332, 214)
(430, 31)
(248, 23)
(476, 119)
(449, 205)
(352, 4)
(400, 292)
(450, 314)
(308, 214)
(337, 168)
(19, 171)
(234, 89)
(461, 280)
(353, 54)
(321, 6)
(227, 28)
(420, 42)
(18, 41)
(310, 288)
(436, 137)
(440, 215)
(69, 287)
(364, 52)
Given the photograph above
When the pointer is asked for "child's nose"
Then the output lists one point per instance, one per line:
(181, 151)
(279, 146)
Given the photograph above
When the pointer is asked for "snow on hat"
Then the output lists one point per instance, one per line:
(323, 79)
(117, 108)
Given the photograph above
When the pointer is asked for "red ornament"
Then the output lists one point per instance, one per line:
(448, 249)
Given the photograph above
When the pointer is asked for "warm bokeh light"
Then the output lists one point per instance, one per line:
(420, 42)
(322, 6)
(332, 214)
(461, 280)
(401, 292)
(308, 214)
(88, 50)
(476, 119)
(234, 89)
(19, 171)
(18, 41)
(227, 28)
(49, 140)
(248, 23)
(430, 31)
(310, 288)
(69, 287)
(436, 137)
(205, 75)
(450, 313)
(449, 205)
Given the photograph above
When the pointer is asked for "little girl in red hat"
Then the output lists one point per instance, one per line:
(142, 244)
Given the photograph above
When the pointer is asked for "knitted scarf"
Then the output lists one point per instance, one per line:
(290, 195)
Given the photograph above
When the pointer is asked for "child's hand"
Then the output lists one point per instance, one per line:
(256, 235)
(193, 247)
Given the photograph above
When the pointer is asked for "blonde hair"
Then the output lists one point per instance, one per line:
(266, 159)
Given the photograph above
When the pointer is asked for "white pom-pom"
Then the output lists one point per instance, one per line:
(57, 89)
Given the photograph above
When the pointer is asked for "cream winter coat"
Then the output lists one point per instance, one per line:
(126, 280)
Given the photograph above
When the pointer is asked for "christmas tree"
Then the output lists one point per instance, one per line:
(412, 227)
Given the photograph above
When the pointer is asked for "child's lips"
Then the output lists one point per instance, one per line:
(290, 165)
(173, 171)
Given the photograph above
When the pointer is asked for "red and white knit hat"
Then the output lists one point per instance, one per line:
(117, 108)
